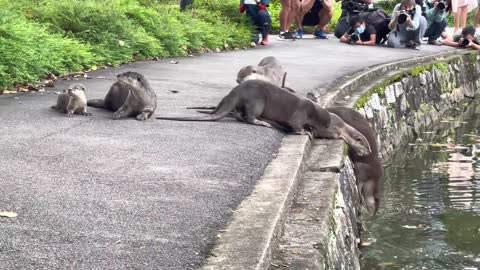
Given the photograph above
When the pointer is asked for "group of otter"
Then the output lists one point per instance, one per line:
(260, 98)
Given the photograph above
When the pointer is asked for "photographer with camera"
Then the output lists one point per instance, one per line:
(407, 24)
(350, 8)
(467, 39)
(364, 31)
(437, 21)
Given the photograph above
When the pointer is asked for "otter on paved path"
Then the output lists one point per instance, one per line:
(368, 169)
(131, 95)
(269, 69)
(259, 99)
(72, 101)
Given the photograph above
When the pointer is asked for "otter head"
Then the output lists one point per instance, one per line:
(135, 79)
(338, 129)
(249, 73)
(313, 96)
(76, 90)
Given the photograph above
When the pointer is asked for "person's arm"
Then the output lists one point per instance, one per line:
(393, 21)
(371, 42)
(474, 45)
(449, 41)
(345, 38)
(413, 23)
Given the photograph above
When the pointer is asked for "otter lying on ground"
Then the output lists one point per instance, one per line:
(258, 99)
(131, 95)
(72, 101)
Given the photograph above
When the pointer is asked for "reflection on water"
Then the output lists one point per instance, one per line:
(430, 217)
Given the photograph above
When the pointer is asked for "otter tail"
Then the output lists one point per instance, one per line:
(202, 108)
(97, 103)
(223, 109)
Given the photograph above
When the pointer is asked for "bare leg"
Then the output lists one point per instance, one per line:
(456, 24)
(463, 17)
(325, 14)
(304, 7)
(285, 14)
(477, 18)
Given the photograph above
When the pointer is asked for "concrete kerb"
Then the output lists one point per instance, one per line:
(247, 241)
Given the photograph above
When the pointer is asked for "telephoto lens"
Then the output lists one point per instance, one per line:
(465, 42)
(354, 37)
(441, 6)
(402, 18)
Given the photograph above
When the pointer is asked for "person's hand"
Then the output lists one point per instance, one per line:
(359, 42)
(243, 7)
(470, 43)
(409, 21)
(397, 13)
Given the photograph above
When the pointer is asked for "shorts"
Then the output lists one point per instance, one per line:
(311, 17)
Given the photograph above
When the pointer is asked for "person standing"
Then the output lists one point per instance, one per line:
(460, 9)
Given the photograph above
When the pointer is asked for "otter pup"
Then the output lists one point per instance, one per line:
(131, 95)
(72, 101)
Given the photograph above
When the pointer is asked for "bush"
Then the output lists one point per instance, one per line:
(42, 36)
(28, 51)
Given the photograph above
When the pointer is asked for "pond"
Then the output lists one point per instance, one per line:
(430, 214)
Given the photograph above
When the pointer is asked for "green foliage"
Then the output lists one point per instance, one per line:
(28, 51)
(42, 36)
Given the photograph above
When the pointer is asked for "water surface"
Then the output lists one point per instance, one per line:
(430, 217)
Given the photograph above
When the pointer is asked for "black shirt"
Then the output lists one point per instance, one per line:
(369, 30)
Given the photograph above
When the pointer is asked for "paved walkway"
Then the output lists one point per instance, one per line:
(93, 193)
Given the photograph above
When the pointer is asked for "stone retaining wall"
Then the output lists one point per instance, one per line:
(321, 230)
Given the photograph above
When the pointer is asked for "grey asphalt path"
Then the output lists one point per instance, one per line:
(93, 193)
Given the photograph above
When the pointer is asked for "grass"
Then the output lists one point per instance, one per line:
(38, 37)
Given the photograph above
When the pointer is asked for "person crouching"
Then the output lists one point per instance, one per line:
(407, 24)
(257, 11)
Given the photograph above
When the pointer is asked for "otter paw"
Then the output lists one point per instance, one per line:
(142, 117)
(116, 116)
(70, 115)
(87, 114)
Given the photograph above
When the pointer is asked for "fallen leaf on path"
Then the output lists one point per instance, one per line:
(8, 214)
(174, 62)
(94, 68)
(174, 91)
(409, 227)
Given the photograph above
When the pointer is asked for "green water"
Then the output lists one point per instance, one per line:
(430, 217)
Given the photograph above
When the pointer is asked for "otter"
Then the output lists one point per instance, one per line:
(269, 69)
(367, 168)
(72, 101)
(256, 99)
(130, 96)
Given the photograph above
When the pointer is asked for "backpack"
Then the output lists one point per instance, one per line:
(380, 20)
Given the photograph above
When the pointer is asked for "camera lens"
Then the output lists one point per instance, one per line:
(465, 42)
(354, 38)
(402, 18)
(441, 6)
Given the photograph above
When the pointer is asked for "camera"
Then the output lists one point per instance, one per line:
(402, 17)
(354, 6)
(464, 42)
(441, 6)
(353, 35)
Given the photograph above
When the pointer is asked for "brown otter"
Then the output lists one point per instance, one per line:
(257, 99)
(130, 95)
(72, 101)
(368, 168)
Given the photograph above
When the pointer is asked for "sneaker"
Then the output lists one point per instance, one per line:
(435, 42)
(299, 33)
(412, 44)
(318, 33)
(287, 36)
(264, 41)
